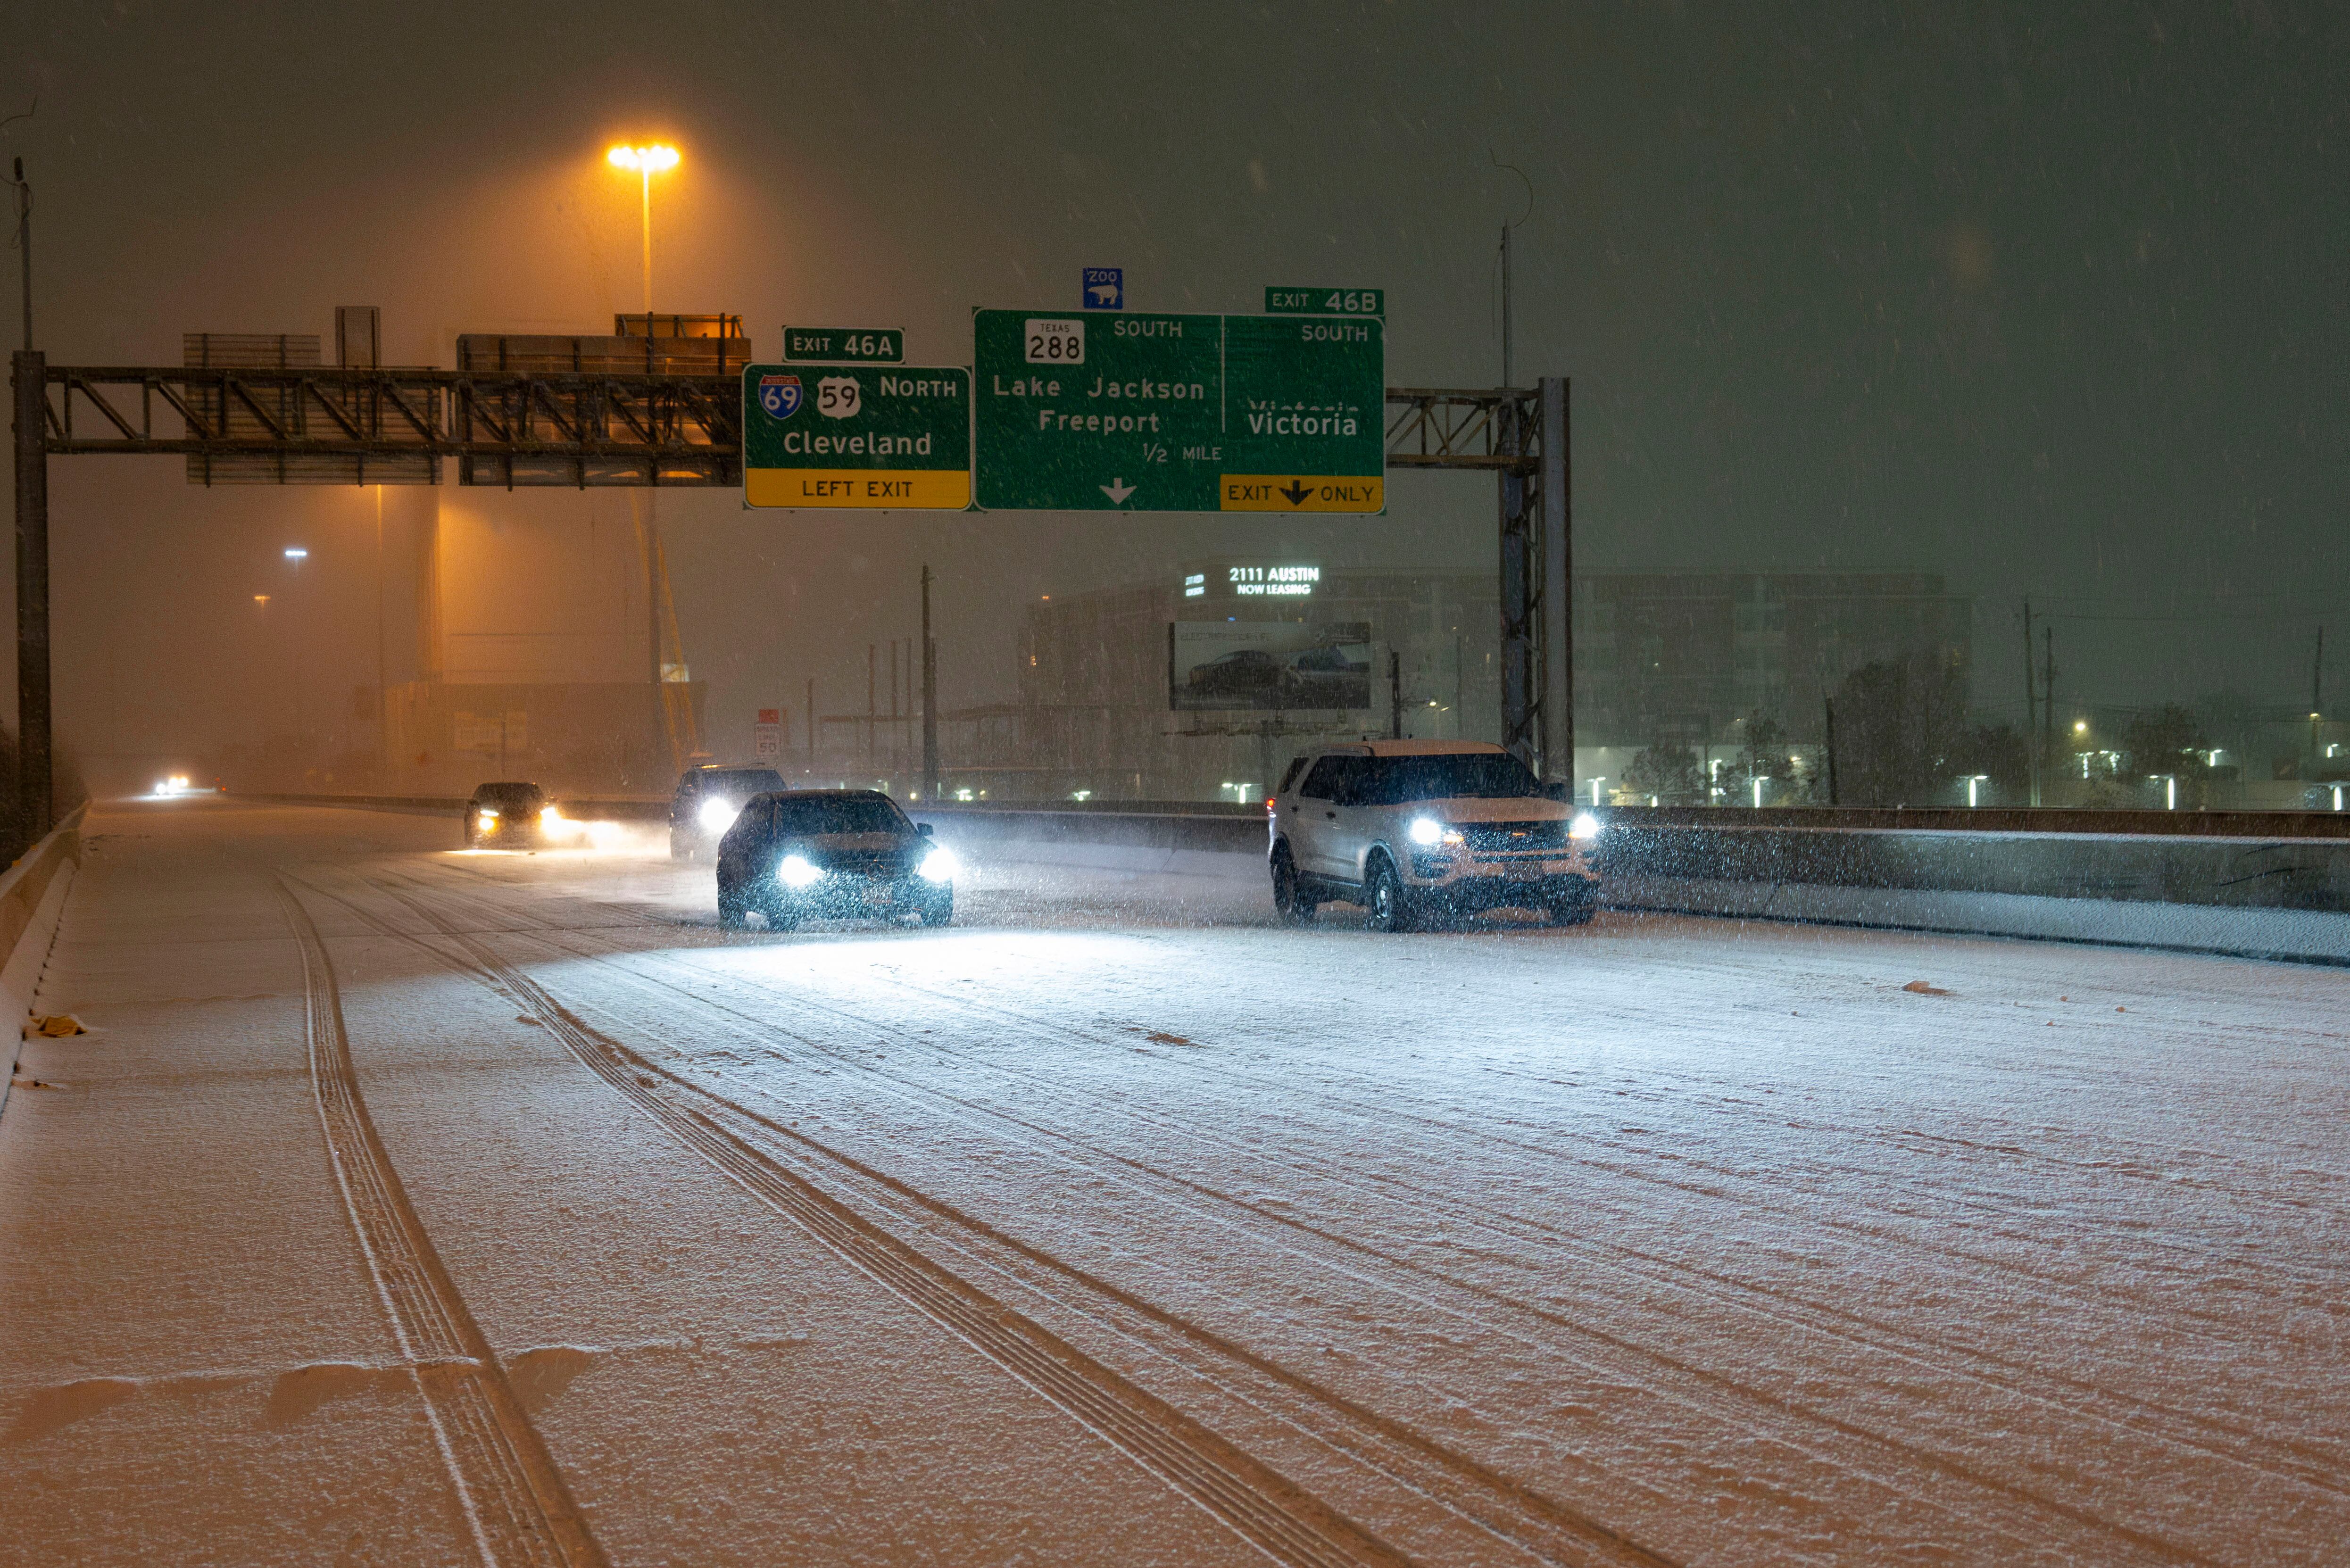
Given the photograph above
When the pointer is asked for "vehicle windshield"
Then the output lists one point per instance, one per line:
(511, 796)
(739, 783)
(1481, 775)
(823, 814)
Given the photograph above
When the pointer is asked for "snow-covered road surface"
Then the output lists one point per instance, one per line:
(411, 1206)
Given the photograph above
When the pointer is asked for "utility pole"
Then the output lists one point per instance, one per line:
(1828, 705)
(2317, 691)
(2031, 709)
(930, 696)
(25, 246)
(872, 705)
(2048, 695)
(1505, 307)
(1395, 693)
(811, 724)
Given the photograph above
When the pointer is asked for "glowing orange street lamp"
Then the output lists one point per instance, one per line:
(646, 161)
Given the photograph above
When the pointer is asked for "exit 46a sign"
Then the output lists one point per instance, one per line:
(1179, 413)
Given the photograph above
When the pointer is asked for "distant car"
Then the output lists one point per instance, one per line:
(831, 854)
(1242, 672)
(1411, 829)
(506, 815)
(705, 803)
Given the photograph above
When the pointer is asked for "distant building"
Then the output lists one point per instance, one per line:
(1095, 714)
(1683, 657)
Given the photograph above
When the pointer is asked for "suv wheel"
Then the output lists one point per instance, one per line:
(730, 908)
(1289, 899)
(1390, 903)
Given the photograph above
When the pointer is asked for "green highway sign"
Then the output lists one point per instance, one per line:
(1326, 302)
(839, 345)
(852, 435)
(1179, 413)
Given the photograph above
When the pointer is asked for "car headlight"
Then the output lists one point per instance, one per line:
(796, 872)
(1427, 832)
(549, 816)
(488, 819)
(718, 815)
(1584, 826)
(940, 864)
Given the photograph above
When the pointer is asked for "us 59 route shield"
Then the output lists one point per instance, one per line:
(1179, 413)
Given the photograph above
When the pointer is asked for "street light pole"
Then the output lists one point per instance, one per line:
(382, 715)
(30, 378)
(33, 780)
(645, 161)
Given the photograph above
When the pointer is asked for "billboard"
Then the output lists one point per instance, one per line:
(1226, 664)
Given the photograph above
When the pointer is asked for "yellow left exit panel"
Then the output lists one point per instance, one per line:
(911, 489)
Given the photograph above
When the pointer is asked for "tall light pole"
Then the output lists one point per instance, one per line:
(295, 556)
(647, 161)
(383, 717)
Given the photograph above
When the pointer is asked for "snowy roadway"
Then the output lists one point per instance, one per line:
(412, 1207)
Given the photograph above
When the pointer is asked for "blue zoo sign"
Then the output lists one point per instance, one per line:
(1104, 288)
(780, 395)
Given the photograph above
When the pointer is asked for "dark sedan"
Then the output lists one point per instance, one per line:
(505, 815)
(831, 855)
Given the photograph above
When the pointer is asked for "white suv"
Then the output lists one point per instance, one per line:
(1412, 829)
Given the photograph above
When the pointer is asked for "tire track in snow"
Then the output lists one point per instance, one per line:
(2283, 1456)
(2186, 1261)
(1281, 1519)
(1783, 1311)
(1705, 1391)
(1351, 1257)
(1739, 1194)
(515, 1503)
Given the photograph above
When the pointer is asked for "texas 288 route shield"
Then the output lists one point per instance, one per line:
(856, 435)
(1179, 413)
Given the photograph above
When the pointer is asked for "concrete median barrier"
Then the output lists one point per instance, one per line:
(32, 895)
(2240, 884)
(608, 808)
(2267, 884)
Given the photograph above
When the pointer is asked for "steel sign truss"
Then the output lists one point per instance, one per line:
(325, 425)
(1448, 428)
(592, 429)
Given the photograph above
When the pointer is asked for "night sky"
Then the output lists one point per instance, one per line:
(2050, 300)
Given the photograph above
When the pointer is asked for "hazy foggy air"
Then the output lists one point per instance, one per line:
(2040, 305)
